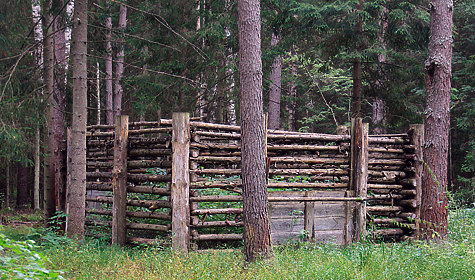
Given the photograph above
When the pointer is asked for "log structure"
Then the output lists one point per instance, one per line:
(326, 188)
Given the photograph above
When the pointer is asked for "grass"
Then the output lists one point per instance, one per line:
(454, 259)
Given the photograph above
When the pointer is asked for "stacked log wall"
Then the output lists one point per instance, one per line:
(148, 179)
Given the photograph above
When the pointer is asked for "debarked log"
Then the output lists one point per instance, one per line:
(277, 147)
(308, 160)
(207, 146)
(388, 140)
(386, 162)
(150, 130)
(148, 178)
(216, 237)
(132, 202)
(304, 172)
(384, 186)
(384, 208)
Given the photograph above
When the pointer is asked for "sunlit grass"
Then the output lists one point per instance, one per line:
(454, 259)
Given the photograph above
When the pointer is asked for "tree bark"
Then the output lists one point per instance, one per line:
(49, 172)
(77, 188)
(292, 93)
(275, 86)
(437, 121)
(257, 241)
(119, 70)
(22, 186)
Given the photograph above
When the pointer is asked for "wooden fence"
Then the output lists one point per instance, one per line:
(182, 179)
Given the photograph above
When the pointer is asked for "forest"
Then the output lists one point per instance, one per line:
(323, 62)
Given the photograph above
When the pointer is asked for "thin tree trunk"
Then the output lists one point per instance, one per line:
(109, 91)
(98, 94)
(49, 172)
(77, 188)
(437, 122)
(119, 70)
(38, 34)
(257, 242)
(7, 186)
(275, 86)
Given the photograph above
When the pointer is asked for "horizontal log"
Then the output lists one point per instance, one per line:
(384, 208)
(304, 172)
(223, 135)
(387, 174)
(385, 196)
(388, 231)
(163, 228)
(385, 150)
(148, 189)
(132, 202)
(222, 159)
(150, 130)
(390, 156)
(386, 162)
(407, 215)
(308, 160)
(408, 203)
(277, 147)
(99, 164)
(140, 240)
(309, 137)
(161, 163)
(216, 198)
(307, 185)
(387, 221)
(216, 211)
(99, 186)
(384, 186)
(403, 135)
(409, 182)
(228, 172)
(93, 133)
(217, 237)
(145, 123)
(236, 198)
(100, 126)
(107, 154)
(133, 214)
(93, 175)
(226, 223)
(408, 192)
(142, 141)
(100, 143)
(388, 140)
(149, 152)
(148, 178)
(206, 146)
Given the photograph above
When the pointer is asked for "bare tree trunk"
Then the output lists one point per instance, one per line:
(77, 188)
(275, 86)
(119, 70)
(437, 121)
(98, 93)
(38, 34)
(109, 91)
(357, 67)
(62, 58)
(49, 172)
(257, 241)
(7, 186)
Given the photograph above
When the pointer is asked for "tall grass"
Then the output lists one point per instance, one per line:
(418, 260)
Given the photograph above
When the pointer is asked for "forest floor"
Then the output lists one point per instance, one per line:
(95, 259)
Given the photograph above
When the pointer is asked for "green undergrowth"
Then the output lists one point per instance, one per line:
(454, 259)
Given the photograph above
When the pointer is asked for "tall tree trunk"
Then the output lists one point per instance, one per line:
(22, 186)
(379, 105)
(275, 86)
(7, 186)
(292, 92)
(109, 91)
(62, 58)
(357, 65)
(49, 172)
(437, 121)
(98, 94)
(257, 242)
(77, 188)
(119, 70)
(38, 35)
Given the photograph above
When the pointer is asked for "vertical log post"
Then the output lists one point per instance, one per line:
(417, 139)
(180, 189)
(309, 216)
(119, 180)
(359, 173)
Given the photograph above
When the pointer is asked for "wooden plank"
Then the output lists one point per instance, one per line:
(417, 139)
(180, 188)
(119, 179)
